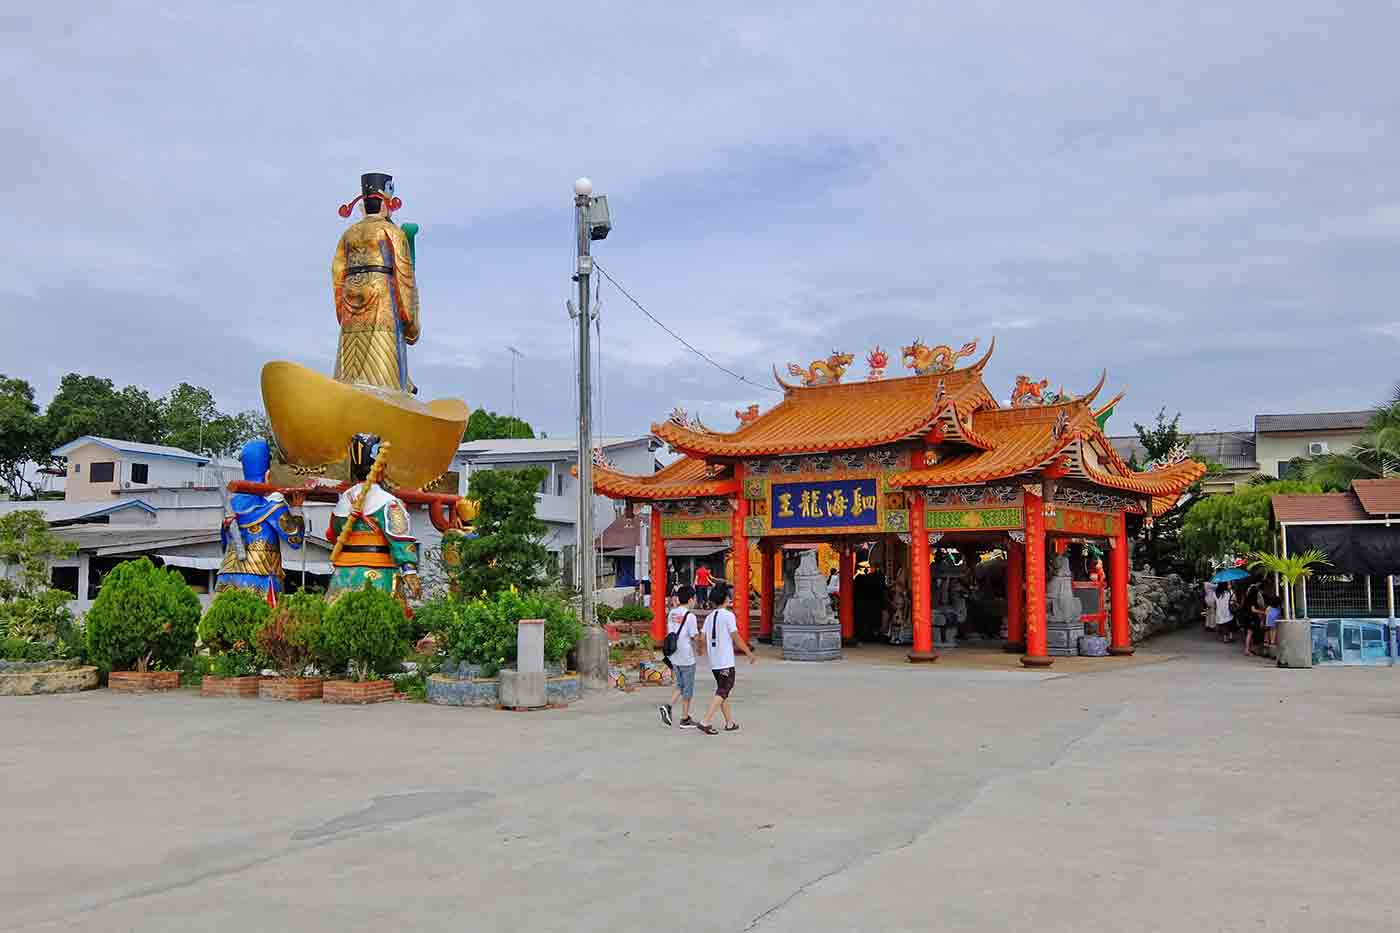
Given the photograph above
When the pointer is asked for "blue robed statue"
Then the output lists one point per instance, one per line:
(263, 523)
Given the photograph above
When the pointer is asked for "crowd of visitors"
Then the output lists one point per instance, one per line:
(1244, 608)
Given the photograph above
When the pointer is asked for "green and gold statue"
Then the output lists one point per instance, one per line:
(374, 540)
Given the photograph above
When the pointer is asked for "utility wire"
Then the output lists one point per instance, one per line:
(685, 343)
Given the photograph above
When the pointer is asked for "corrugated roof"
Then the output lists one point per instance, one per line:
(1233, 450)
(1378, 496)
(1338, 507)
(1315, 421)
(59, 511)
(130, 447)
(113, 539)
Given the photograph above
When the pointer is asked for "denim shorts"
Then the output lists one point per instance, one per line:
(685, 679)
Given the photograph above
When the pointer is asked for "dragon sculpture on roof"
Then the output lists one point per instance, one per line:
(926, 360)
(748, 416)
(823, 372)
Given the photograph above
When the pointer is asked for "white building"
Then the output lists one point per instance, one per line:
(556, 503)
(100, 466)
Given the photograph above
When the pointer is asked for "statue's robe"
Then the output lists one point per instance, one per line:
(376, 303)
(380, 548)
(264, 522)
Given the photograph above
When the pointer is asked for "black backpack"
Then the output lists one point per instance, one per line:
(673, 639)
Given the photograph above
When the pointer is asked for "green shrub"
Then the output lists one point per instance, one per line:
(143, 616)
(364, 629)
(236, 662)
(42, 619)
(290, 636)
(604, 612)
(484, 631)
(194, 669)
(18, 649)
(231, 620)
(630, 614)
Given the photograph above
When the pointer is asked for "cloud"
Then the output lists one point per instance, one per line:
(1188, 196)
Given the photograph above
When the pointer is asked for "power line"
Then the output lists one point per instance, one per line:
(685, 343)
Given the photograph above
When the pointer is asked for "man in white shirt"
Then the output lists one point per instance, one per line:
(681, 620)
(721, 634)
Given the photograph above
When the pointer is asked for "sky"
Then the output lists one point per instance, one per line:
(1200, 198)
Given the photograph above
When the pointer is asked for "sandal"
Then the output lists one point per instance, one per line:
(732, 727)
(708, 729)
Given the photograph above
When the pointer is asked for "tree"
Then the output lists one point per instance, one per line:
(506, 551)
(1292, 568)
(1161, 538)
(1376, 453)
(188, 414)
(92, 405)
(486, 425)
(23, 437)
(1217, 527)
(27, 544)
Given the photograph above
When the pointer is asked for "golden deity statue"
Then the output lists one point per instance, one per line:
(375, 284)
(376, 296)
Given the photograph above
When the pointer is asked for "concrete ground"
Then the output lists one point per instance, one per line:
(1206, 792)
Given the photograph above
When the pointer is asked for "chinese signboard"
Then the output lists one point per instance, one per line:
(837, 503)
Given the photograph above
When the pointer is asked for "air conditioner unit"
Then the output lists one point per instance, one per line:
(1317, 448)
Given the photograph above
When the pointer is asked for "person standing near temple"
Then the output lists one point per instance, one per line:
(720, 634)
(682, 621)
(702, 585)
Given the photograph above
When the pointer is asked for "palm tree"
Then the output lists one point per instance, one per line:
(1376, 453)
(1291, 568)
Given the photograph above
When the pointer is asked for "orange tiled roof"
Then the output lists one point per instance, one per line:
(685, 478)
(1168, 481)
(837, 417)
(1019, 439)
(1378, 496)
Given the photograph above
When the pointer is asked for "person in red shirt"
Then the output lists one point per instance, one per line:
(703, 579)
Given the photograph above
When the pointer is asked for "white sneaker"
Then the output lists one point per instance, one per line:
(665, 712)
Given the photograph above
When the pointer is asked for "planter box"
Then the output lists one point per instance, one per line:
(137, 682)
(357, 691)
(290, 688)
(244, 687)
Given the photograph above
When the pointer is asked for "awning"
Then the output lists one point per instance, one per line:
(1358, 549)
(322, 568)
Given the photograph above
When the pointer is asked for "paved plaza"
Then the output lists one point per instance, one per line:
(1202, 792)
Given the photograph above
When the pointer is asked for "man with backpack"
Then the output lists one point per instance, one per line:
(720, 635)
(679, 648)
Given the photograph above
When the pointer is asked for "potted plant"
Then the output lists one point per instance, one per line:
(363, 633)
(227, 631)
(290, 638)
(141, 626)
(1294, 635)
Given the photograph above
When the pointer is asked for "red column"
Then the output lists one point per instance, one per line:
(658, 578)
(765, 592)
(847, 597)
(740, 544)
(1121, 640)
(918, 583)
(1036, 654)
(1015, 597)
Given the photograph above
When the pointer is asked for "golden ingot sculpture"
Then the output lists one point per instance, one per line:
(374, 282)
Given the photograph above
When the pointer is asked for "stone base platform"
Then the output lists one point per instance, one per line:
(34, 678)
(463, 685)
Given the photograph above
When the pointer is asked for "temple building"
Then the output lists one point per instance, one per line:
(908, 466)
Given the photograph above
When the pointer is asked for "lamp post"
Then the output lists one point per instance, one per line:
(591, 223)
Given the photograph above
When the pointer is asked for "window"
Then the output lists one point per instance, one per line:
(558, 484)
(77, 469)
(65, 579)
(140, 473)
(1287, 469)
(102, 472)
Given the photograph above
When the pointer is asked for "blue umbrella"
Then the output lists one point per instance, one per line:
(1230, 574)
